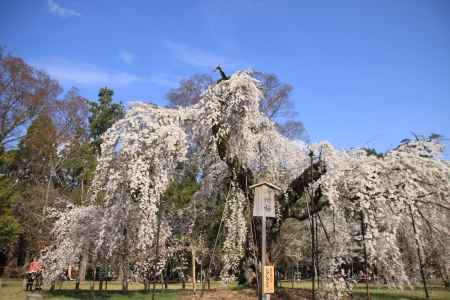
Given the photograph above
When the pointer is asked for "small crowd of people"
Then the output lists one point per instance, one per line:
(33, 276)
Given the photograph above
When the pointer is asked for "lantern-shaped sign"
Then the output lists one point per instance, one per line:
(264, 205)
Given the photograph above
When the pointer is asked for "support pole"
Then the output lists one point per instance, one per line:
(312, 223)
(158, 230)
(366, 269)
(263, 258)
(194, 280)
(422, 272)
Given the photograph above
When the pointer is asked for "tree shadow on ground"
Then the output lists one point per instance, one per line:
(106, 295)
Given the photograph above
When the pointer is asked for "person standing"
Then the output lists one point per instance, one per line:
(34, 268)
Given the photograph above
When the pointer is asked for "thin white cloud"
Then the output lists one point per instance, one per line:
(127, 57)
(91, 75)
(87, 74)
(61, 11)
(197, 57)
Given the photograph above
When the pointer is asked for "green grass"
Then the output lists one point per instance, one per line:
(13, 290)
(382, 292)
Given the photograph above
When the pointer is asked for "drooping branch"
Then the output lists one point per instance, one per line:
(242, 175)
(302, 215)
(290, 206)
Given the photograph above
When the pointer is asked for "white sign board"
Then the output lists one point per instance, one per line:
(264, 205)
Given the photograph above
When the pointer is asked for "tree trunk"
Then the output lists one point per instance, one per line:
(313, 224)
(292, 277)
(316, 244)
(166, 285)
(313, 249)
(47, 192)
(77, 283)
(120, 272)
(3, 262)
(82, 266)
(244, 177)
(93, 278)
(363, 232)
(125, 261)
(158, 229)
(125, 277)
(106, 277)
(201, 274)
(419, 255)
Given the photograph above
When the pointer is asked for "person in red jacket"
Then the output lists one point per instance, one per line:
(34, 269)
(35, 266)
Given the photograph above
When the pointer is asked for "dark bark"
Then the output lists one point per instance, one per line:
(77, 284)
(242, 176)
(3, 262)
(422, 271)
(158, 229)
(125, 261)
(363, 233)
(291, 206)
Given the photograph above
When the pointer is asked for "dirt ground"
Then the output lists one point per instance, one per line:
(297, 294)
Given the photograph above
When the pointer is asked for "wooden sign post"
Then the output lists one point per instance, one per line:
(269, 280)
(264, 206)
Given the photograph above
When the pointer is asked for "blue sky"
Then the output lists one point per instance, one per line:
(365, 73)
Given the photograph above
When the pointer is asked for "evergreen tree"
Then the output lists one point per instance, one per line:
(38, 150)
(35, 168)
(104, 114)
(9, 227)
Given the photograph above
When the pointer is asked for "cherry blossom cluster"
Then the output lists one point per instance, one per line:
(378, 196)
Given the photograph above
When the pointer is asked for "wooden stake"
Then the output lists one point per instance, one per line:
(194, 286)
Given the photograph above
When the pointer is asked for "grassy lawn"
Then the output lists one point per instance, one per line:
(12, 290)
(382, 292)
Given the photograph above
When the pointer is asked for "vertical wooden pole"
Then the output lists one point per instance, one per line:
(263, 258)
(311, 221)
(194, 286)
(313, 259)
(194, 279)
(316, 244)
(363, 232)
(158, 229)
